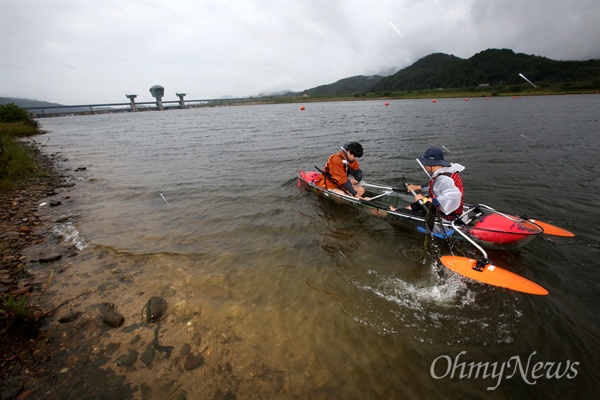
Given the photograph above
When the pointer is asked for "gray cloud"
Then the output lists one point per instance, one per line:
(96, 51)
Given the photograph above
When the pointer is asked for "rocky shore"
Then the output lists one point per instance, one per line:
(21, 227)
(87, 339)
(65, 350)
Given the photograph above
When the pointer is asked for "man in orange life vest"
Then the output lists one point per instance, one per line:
(445, 188)
(339, 166)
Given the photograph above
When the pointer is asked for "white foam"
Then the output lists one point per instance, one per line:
(70, 234)
(429, 307)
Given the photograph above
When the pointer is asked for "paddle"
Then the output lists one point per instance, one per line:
(373, 185)
(429, 215)
(484, 271)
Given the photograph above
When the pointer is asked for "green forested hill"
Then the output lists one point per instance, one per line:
(490, 67)
(355, 84)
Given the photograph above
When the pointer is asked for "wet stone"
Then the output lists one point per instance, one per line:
(111, 348)
(127, 359)
(148, 355)
(185, 349)
(193, 361)
(196, 340)
(146, 392)
(156, 308)
(106, 307)
(50, 258)
(54, 203)
(107, 286)
(135, 339)
(113, 318)
(100, 360)
(116, 380)
(69, 317)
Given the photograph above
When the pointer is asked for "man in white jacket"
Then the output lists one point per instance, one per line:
(445, 188)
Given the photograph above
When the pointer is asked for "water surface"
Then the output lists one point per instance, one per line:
(304, 297)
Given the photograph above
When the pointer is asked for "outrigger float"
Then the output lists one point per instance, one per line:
(479, 224)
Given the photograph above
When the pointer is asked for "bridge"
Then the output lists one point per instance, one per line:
(133, 104)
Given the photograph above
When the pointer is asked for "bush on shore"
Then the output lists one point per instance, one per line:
(16, 161)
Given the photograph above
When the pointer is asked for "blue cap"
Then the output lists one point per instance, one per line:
(433, 156)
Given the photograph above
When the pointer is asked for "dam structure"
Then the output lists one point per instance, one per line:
(159, 104)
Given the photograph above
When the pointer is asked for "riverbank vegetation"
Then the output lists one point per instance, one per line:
(517, 90)
(16, 161)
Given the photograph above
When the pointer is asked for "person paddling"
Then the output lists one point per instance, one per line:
(339, 167)
(445, 188)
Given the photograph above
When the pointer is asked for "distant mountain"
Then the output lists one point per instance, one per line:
(27, 103)
(355, 84)
(490, 67)
(32, 104)
(428, 72)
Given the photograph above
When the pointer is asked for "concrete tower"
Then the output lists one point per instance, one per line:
(132, 98)
(158, 92)
(181, 102)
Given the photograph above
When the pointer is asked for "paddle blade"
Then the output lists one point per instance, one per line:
(492, 275)
(551, 229)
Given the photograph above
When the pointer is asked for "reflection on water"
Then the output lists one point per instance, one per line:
(274, 292)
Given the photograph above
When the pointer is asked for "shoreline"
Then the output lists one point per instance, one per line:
(22, 226)
(51, 356)
(81, 345)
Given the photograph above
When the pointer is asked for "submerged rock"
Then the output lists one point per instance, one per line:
(69, 317)
(50, 258)
(110, 316)
(155, 309)
(148, 355)
(113, 319)
(193, 361)
(127, 359)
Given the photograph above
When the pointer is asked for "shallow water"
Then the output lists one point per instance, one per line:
(303, 297)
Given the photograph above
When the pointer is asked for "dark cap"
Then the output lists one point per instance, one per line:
(433, 156)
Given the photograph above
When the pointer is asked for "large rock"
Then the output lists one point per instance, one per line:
(193, 361)
(110, 316)
(113, 319)
(155, 309)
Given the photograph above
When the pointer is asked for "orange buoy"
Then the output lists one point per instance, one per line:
(434, 100)
(487, 98)
(302, 108)
(466, 99)
(387, 104)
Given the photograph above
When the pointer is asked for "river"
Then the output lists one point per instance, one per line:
(289, 295)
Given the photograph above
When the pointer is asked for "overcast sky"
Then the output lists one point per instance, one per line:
(82, 52)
